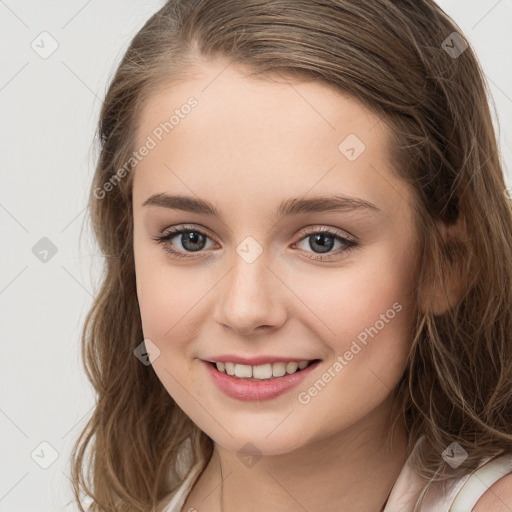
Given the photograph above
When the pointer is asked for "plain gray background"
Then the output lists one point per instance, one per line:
(49, 109)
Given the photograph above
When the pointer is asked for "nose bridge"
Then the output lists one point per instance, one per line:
(249, 293)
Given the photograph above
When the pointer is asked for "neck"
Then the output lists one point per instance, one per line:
(354, 469)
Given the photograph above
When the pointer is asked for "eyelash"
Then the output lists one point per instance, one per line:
(173, 232)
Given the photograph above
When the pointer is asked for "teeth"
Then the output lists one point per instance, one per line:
(278, 369)
(243, 370)
(292, 367)
(261, 372)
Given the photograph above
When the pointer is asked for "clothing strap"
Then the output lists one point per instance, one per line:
(480, 480)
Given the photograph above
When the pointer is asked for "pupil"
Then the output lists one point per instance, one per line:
(324, 247)
(191, 239)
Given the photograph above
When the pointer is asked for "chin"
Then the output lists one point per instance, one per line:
(247, 438)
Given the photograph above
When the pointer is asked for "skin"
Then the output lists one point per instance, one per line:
(248, 145)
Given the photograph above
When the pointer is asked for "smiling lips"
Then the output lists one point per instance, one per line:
(261, 382)
(263, 371)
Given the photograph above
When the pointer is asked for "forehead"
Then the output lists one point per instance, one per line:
(243, 134)
(261, 106)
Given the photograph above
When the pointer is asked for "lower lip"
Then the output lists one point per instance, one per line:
(253, 390)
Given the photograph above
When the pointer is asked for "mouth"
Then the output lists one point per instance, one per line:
(268, 371)
(257, 383)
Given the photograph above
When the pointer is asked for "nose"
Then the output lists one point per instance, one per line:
(251, 298)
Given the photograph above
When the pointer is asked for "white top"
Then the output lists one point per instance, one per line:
(455, 496)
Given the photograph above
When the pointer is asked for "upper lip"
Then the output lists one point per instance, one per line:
(255, 361)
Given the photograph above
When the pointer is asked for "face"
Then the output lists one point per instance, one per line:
(299, 245)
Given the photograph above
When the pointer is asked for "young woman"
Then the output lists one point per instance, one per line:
(307, 301)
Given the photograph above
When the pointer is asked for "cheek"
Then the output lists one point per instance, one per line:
(160, 289)
(166, 300)
(372, 315)
(370, 311)
(172, 302)
(376, 288)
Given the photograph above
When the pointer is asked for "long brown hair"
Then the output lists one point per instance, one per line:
(393, 57)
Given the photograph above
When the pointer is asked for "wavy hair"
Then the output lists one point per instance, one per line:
(390, 56)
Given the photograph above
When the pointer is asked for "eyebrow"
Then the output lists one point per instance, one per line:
(293, 206)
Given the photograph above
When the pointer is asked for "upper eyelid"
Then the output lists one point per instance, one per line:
(175, 231)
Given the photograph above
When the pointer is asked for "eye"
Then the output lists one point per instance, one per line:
(192, 240)
(323, 240)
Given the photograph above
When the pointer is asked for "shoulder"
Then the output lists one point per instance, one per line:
(497, 498)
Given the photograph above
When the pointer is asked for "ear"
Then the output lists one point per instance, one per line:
(445, 287)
